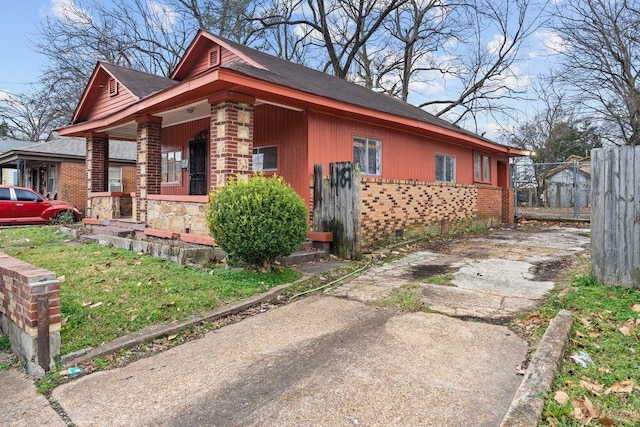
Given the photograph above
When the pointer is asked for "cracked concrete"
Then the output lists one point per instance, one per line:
(493, 276)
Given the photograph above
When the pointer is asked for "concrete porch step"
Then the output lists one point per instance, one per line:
(302, 256)
(112, 231)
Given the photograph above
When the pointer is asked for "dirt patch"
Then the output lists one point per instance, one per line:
(420, 272)
(548, 271)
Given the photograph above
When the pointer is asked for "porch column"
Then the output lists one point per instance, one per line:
(148, 170)
(231, 137)
(97, 163)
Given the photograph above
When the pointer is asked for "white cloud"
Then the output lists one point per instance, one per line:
(552, 42)
(163, 16)
(68, 10)
(495, 45)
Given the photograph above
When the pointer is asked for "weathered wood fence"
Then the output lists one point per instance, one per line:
(615, 215)
(336, 206)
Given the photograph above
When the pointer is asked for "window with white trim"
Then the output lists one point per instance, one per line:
(481, 168)
(265, 159)
(171, 167)
(445, 168)
(115, 178)
(367, 152)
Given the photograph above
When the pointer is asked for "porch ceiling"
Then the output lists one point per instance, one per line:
(186, 113)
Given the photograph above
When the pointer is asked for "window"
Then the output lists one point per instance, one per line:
(52, 184)
(445, 168)
(265, 159)
(481, 168)
(26, 196)
(366, 152)
(5, 194)
(115, 178)
(171, 167)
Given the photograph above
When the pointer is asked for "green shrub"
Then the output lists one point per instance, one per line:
(258, 220)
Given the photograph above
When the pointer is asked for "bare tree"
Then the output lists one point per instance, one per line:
(555, 132)
(337, 29)
(483, 71)
(30, 116)
(601, 56)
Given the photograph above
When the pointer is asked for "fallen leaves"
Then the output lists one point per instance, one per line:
(625, 386)
(636, 308)
(561, 397)
(594, 387)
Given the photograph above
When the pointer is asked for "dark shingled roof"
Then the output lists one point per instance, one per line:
(296, 76)
(141, 84)
(118, 150)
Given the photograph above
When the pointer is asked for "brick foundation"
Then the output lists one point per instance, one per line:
(490, 204)
(392, 206)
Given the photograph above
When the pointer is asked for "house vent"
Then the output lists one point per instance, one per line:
(214, 56)
(113, 87)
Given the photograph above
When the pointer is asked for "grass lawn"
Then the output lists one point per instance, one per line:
(108, 292)
(606, 327)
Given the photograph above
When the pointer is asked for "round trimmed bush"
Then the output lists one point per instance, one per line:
(258, 220)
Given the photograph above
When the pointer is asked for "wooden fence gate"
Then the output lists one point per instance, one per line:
(336, 206)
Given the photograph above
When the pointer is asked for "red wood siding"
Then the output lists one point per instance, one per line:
(285, 129)
(201, 57)
(227, 56)
(106, 104)
(176, 138)
(404, 155)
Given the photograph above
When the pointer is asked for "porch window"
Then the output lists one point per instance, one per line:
(367, 153)
(52, 179)
(171, 167)
(265, 159)
(115, 178)
(481, 168)
(445, 168)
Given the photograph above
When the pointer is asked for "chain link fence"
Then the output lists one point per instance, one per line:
(552, 190)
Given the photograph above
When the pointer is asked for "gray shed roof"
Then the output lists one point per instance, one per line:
(74, 148)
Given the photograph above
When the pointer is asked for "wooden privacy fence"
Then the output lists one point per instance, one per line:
(615, 215)
(336, 206)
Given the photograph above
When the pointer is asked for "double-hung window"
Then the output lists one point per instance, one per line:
(481, 168)
(171, 168)
(445, 168)
(367, 152)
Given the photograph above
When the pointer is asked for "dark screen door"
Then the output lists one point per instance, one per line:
(198, 167)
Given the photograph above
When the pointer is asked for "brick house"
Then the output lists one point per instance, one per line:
(229, 110)
(57, 168)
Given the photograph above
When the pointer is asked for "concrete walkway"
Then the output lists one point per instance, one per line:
(336, 360)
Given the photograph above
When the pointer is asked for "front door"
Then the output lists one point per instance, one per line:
(198, 167)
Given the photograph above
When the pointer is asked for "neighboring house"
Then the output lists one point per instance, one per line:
(229, 111)
(57, 168)
(8, 175)
(573, 175)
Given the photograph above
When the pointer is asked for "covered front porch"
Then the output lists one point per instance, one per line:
(185, 153)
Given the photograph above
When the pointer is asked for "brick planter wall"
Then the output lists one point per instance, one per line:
(20, 286)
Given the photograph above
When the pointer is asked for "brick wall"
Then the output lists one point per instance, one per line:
(72, 184)
(129, 179)
(390, 205)
(20, 286)
(490, 203)
(149, 140)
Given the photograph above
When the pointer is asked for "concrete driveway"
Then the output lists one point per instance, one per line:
(337, 360)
